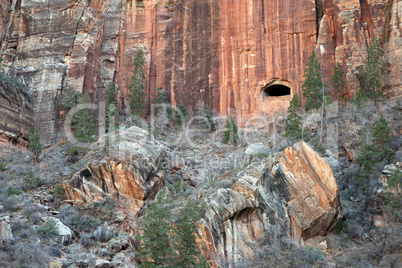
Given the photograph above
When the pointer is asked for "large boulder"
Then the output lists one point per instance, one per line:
(5, 232)
(292, 193)
(128, 172)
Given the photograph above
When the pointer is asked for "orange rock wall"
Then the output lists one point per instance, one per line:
(218, 52)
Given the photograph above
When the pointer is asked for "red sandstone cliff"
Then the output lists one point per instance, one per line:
(219, 52)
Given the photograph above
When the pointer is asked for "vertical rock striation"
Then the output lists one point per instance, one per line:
(16, 120)
(219, 52)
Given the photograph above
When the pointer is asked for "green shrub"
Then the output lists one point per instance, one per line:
(341, 227)
(313, 254)
(34, 144)
(31, 181)
(3, 167)
(48, 229)
(395, 181)
(181, 116)
(208, 123)
(58, 191)
(12, 191)
(230, 135)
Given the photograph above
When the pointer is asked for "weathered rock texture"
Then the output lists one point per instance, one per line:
(128, 173)
(16, 120)
(293, 193)
(219, 52)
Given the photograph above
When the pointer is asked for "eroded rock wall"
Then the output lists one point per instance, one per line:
(16, 120)
(294, 193)
(218, 52)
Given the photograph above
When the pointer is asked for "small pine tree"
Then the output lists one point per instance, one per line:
(137, 93)
(34, 144)
(180, 116)
(294, 120)
(378, 148)
(208, 123)
(111, 104)
(395, 180)
(160, 98)
(313, 87)
(184, 237)
(111, 95)
(339, 81)
(230, 135)
(82, 124)
(373, 69)
(156, 250)
(382, 138)
(72, 99)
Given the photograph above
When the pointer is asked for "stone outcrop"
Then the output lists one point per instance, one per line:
(5, 232)
(293, 193)
(16, 120)
(128, 172)
(222, 53)
(61, 233)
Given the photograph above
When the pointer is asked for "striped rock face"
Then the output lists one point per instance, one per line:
(293, 193)
(242, 57)
(127, 172)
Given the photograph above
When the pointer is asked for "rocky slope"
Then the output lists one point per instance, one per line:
(293, 193)
(220, 52)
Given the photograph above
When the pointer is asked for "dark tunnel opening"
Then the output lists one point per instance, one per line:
(276, 91)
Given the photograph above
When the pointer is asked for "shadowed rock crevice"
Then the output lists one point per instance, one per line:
(276, 91)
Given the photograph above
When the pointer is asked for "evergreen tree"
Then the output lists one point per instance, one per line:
(395, 180)
(161, 98)
(339, 81)
(294, 119)
(156, 250)
(34, 144)
(82, 123)
(382, 138)
(378, 148)
(373, 69)
(111, 104)
(184, 237)
(230, 134)
(180, 116)
(111, 95)
(313, 87)
(72, 98)
(208, 123)
(137, 92)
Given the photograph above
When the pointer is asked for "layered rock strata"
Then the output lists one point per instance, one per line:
(294, 193)
(16, 120)
(128, 172)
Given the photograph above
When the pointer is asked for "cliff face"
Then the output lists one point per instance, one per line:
(16, 120)
(222, 53)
